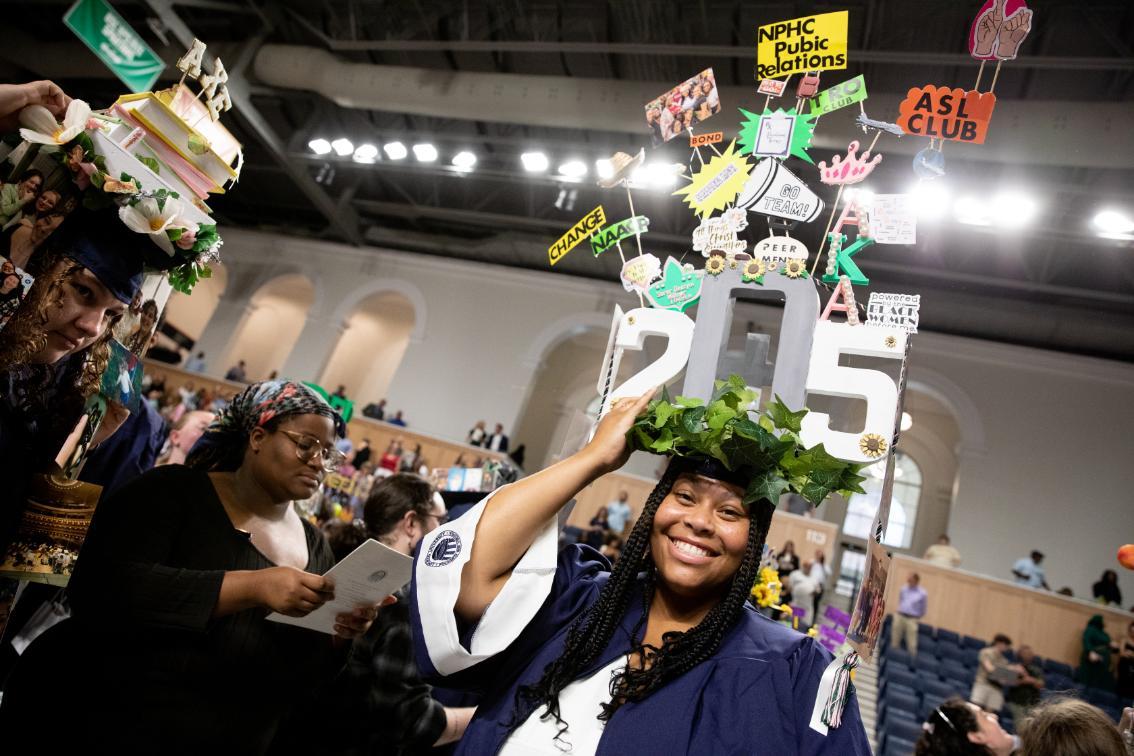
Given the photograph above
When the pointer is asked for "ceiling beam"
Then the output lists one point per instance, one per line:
(343, 220)
(900, 57)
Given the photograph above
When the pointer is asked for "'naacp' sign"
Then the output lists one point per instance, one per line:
(606, 238)
(589, 223)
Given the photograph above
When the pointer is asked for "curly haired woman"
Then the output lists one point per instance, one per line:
(55, 348)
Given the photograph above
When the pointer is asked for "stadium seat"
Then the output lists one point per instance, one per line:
(899, 656)
(899, 747)
(928, 704)
(970, 642)
(924, 629)
(900, 676)
(927, 665)
(926, 645)
(905, 730)
(948, 635)
(1057, 667)
(1104, 699)
(939, 689)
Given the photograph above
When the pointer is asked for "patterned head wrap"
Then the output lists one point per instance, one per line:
(223, 443)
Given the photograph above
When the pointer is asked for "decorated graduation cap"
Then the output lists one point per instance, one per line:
(722, 439)
(101, 243)
(153, 158)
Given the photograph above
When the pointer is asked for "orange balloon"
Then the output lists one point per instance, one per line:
(1126, 556)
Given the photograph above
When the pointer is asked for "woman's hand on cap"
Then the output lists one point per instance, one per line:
(608, 448)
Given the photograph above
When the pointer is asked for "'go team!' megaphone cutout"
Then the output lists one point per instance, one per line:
(772, 189)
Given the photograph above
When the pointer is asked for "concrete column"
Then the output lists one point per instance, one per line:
(222, 328)
(313, 350)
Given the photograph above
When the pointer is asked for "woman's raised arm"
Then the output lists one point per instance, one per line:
(514, 516)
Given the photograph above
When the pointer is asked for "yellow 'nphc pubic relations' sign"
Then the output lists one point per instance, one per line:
(811, 43)
(587, 225)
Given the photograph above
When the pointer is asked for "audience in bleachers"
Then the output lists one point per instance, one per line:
(993, 671)
(912, 688)
(1027, 571)
(1094, 663)
(1025, 694)
(1125, 689)
(1106, 590)
(913, 602)
(943, 553)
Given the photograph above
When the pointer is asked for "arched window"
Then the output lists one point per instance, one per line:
(863, 508)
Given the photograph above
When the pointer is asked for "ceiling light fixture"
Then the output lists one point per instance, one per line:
(365, 153)
(604, 168)
(1013, 209)
(973, 211)
(342, 146)
(930, 199)
(907, 421)
(319, 146)
(573, 169)
(464, 160)
(395, 150)
(1113, 224)
(534, 161)
(425, 153)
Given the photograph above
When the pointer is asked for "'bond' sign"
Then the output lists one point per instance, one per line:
(944, 113)
(586, 226)
(812, 43)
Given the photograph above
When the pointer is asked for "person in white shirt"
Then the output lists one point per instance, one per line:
(819, 574)
(803, 590)
(943, 554)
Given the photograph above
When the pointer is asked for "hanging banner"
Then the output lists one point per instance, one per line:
(944, 113)
(839, 96)
(586, 226)
(115, 43)
(811, 43)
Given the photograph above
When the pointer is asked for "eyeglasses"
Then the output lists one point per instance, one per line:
(307, 447)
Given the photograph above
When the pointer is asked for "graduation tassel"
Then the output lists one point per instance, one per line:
(831, 698)
(837, 701)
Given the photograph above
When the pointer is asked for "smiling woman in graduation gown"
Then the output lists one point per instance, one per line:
(660, 656)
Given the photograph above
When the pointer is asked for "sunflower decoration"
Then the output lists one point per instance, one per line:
(872, 445)
(795, 267)
(766, 591)
(753, 271)
(890, 342)
(715, 265)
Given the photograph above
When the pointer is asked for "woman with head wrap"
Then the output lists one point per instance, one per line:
(661, 654)
(168, 642)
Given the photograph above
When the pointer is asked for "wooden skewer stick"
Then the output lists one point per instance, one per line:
(995, 75)
(637, 233)
(979, 73)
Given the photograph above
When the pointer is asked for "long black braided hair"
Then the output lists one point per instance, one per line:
(680, 652)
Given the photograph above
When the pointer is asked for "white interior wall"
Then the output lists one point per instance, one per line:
(1044, 456)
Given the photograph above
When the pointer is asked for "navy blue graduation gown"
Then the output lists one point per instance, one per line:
(754, 696)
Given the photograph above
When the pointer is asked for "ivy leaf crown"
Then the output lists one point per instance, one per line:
(762, 446)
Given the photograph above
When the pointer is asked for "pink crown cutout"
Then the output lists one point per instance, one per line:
(849, 171)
